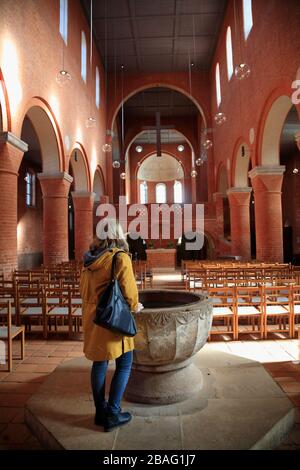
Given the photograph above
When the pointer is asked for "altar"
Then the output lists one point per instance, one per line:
(161, 258)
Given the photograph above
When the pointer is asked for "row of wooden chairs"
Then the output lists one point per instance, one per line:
(265, 308)
(143, 274)
(8, 332)
(46, 305)
(203, 278)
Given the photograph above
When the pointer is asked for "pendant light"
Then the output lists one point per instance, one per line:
(220, 118)
(63, 76)
(242, 70)
(91, 120)
(106, 147)
(192, 64)
(123, 159)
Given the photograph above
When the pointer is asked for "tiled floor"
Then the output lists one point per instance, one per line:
(42, 357)
(279, 356)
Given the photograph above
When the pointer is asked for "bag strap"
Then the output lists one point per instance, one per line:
(113, 264)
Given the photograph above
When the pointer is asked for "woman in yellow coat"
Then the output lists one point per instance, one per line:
(101, 344)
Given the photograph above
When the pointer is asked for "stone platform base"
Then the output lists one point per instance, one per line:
(238, 407)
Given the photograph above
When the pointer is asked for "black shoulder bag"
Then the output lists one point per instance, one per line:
(113, 311)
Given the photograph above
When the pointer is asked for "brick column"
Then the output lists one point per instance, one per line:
(297, 139)
(239, 203)
(101, 200)
(11, 153)
(267, 184)
(55, 188)
(83, 202)
(219, 206)
(194, 188)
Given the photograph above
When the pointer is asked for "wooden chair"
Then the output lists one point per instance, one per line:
(30, 305)
(249, 306)
(7, 294)
(75, 319)
(295, 308)
(277, 308)
(224, 311)
(57, 307)
(9, 332)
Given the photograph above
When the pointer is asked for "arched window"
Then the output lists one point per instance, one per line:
(161, 193)
(63, 19)
(144, 193)
(247, 16)
(178, 192)
(83, 56)
(30, 188)
(97, 93)
(218, 85)
(229, 53)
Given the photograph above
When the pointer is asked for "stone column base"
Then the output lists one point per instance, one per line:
(165, 387)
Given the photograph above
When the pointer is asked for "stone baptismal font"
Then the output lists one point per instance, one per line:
(172, 328)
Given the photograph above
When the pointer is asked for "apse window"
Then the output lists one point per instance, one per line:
(218, 85)
(63, 20)
(247, 17)
(83, 56)
(161, 193)
(144, 193)
(229, 54)
(97, 94)
(30, 180)
(178, 199)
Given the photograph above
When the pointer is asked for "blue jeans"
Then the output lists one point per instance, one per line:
(118, 383)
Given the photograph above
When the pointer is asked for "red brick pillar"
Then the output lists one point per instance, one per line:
(239, 203)
(104, 199)
(83, 203)
(219, 206)
(194, 188)
(55, 188)
(296, 205)
(11, 153)
(297, 139)
(267, 183)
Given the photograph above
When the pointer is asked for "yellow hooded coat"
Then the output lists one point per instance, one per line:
(100, 343)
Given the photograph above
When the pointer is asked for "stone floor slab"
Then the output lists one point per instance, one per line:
(239, 407)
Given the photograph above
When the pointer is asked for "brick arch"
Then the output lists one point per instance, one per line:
(240, 165)
(147, 155)
(221, 171)
(5, 117)
(46, 126)
(211, 243)
(273, 116)
(98, 183)
(81, 168)
(139, 132)
(145, 82)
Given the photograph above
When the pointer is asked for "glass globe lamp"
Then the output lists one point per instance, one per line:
(90, 122)
(193, 173)
(116, 164)
(123, 176)
(63, 77)
(220, 118)
(106, 148)
(242, 71)
(207, 144)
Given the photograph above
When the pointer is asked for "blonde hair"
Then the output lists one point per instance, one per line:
(109, 235)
